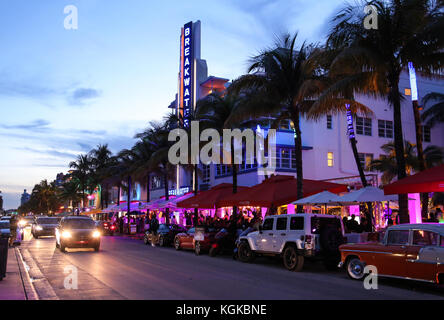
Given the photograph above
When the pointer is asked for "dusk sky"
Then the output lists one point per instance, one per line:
(62, 92)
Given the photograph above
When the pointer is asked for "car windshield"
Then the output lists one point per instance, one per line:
(47, 220)
(79, 224)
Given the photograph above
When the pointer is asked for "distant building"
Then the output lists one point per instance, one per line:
(1, 202)
(25, 197)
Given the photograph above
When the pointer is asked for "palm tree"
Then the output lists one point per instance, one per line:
(69, 192)
(44, 197)
(101, 162)
(408, 31)
(386, 164)
(435, 113)
(157, 136)
(81, 172)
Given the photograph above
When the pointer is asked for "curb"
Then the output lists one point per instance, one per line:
(36, 285)
(30, 292)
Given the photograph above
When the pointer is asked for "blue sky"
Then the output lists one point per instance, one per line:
(62, 92)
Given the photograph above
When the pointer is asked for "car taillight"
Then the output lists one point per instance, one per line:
(215, 245)
(113, 227)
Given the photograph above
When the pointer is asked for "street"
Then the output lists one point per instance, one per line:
(127, 269)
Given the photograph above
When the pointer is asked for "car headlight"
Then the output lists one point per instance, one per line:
(22, 223)
(66, 234)
(96, 234)
(38, 228)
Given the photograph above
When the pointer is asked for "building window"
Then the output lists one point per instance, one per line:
(408, 91)
(385, 128)
(205, 173)
(156, 183)
(330, 159)
(329, 122)
(223, 170)
(365, 159)
(364, 126)
(285, 158)
(426, 137)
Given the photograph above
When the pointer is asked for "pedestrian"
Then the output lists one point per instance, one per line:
(353, 225)
(154, 226)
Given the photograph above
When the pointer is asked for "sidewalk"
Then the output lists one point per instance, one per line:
(11, 287)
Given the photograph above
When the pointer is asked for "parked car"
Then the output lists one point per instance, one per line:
(77, 232)
(44, 226)
(294, 237)
(106, 227)
(198, 239)
(5, 230)
(165, 234)
(409, 251)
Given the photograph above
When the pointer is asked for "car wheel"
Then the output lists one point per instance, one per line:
(145, 240)
(213, 252)
(62, 248)
(97, 248)
(197, 248)
(292, 260)
(355, 269)
(57, 245)
(35, 236)
(245, 253)
(177, 244)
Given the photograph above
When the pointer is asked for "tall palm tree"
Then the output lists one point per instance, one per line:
(408, 31)
(70, 193)
(101, 162)
(81, 172)
(44, 197)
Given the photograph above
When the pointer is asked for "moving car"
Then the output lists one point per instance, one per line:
(295, 237)
(165, 234)
(106, 227)
(26, 221)
(77, 232)
(198, 239)
(44, 226)
(409, 251)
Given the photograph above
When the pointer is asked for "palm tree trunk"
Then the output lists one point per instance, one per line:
(118, 194)
(395, 100)
(167, 197)
(129, 203)
(298, 152)
(196, 191)
(420, 151)
(148, 195)
(234, 169)
(369, 214)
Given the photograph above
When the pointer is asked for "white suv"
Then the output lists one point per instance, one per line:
(295, 237)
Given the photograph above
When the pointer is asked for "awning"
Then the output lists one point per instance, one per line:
(367, 194)
(278, 190)
(210, 199)
(324, 197)
(430, 180)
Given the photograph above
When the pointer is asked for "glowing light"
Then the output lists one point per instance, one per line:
(96, 234)
(66, 234)
(413, 87)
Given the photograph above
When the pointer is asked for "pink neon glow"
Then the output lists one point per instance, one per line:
(291, 209)
(415, 208)
(355, 210)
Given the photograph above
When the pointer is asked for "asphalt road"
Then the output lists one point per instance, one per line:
(127, 269)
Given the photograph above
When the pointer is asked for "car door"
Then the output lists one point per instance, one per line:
(280, 234)
(187, 241)
(422, 255)
(265, 237)
(390, 258)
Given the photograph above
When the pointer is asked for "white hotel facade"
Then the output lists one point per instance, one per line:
(327, 154)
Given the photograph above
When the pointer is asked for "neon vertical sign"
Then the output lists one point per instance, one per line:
(413, 87)
(350, 129)
(186, 73)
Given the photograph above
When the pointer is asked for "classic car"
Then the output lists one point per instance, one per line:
(409, 251)
(197, 239)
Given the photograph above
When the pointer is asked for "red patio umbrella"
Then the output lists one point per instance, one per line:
(210, 198)
(278, 190)
(430, 180)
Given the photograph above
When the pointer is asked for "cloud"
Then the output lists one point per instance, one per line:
(36, 125)
(50, 152)
(81, 95)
